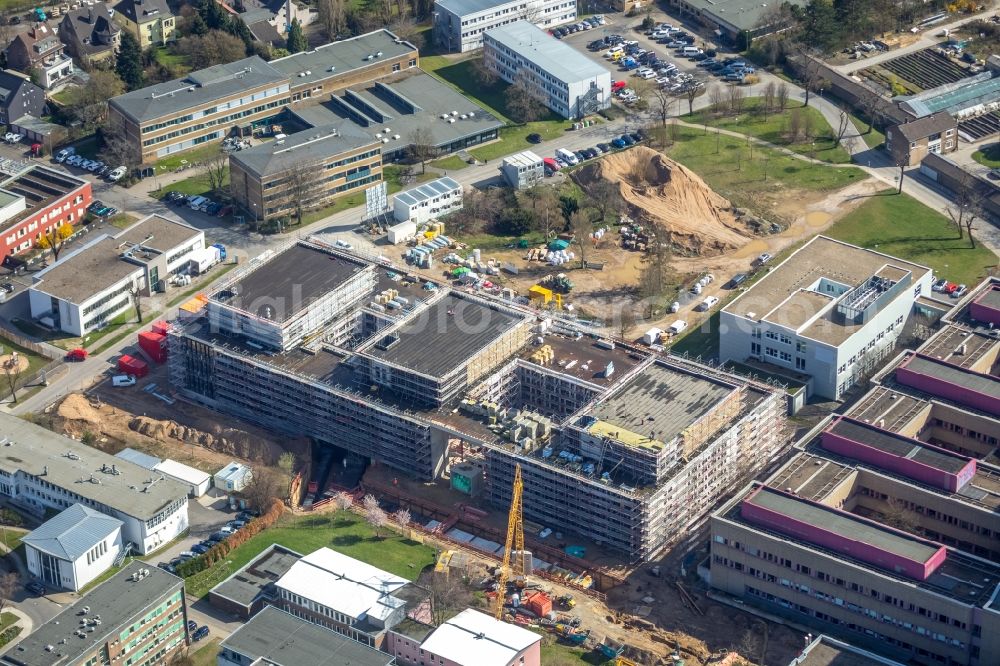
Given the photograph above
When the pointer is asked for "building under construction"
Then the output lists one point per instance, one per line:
(616, 445)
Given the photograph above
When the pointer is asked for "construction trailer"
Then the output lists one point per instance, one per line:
(616, 445)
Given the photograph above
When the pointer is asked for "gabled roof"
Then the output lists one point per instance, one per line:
(266, 33)
(924, 127)
(143, 11)
(70, 534)
(91, 28)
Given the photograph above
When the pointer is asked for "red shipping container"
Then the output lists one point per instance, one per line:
(131, 365)
(540, 604)
(160, 327)
(155, 345)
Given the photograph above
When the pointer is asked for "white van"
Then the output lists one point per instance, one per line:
(677, 327)
(646, 73)
(689, 51)
(123, 380)
(567, 157)
(708, 303)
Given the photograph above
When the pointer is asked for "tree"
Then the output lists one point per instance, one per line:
(967, 206)
(626, 320)
(819, 25)
(135, 293)
(717, 99)
(691, 94)
(265, 486)
(214, 15)
(662, 104)
(213, 48)
(582, 226)
(843, 123)
(567, 206)
(606, 196)
(12, 370)
(736, 99)
(217, 171)
(521, 99)
(115, 146)
(296, 39)
(9, 584)
(286, 463)
(128, 65)
(781, 96)
(301, 187)
(54, 239)
(546, 208)
(343, 500)
(483, 75)
(402, 517)
(448, 596)
(89, 103)
(422, 146)
(374, 514)
(812, 78)
(767, 99)
(332, 16)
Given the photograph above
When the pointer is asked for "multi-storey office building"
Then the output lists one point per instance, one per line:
(565, 80)
(308, 168)
(40, 470)
(613, 444)
(35, 201)
(459, 24)
(136, 617)
(831, 311)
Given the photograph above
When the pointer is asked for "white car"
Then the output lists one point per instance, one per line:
(117, 174)
(123, 380)
(677, 327)
(12, 137)
(64, 154)
(764, 258)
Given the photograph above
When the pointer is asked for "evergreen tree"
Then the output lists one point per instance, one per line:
(128, 67)
(238, 28)
(820, 27)
(296, 40)
(214, 15)
(197, 25)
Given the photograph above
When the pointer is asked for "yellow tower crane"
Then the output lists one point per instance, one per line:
(515, 543)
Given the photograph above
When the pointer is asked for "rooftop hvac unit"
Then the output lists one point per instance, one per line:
(463, 116)
(444, 116)
(387, 130)
(451, 120)
(454, 113)
(379, 54)
(385, 140)
(396, 137)
(378, 135)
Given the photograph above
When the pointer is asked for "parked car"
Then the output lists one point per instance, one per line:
(226, 529)
(618, 143)
(35, 587)
(627, 139)
(950, 288)
(218, 536)
(123, 380)
(78, 354)
(192, 625)
(939, 285)
(117, 174)
(64, 154)
(736, 280)
(958, 293)
(200, 633)
(764, 258)
(199, 549)
(169, 568)
(534, 138)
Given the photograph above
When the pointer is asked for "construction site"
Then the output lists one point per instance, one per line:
(624, 450)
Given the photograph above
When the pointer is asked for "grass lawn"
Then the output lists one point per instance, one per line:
(63, 96)
(774, 129)
(193, 185)
(701, 341)
(515, 137)
(988, 155)
(166, 58)
(488, 242)
(35, 361)
(452, 163)
(342, 531)
(194, 156)
(555, 653)
(725, 164)
(7, 619)
(899, 225)
(873, 138)
(11, 537)
(124, 220)
(207, 653)
(392, 175)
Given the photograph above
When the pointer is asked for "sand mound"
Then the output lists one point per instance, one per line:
(657, 190)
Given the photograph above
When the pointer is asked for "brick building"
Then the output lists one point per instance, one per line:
(34, 201)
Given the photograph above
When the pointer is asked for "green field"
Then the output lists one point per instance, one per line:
(514, 138)
(11, 537)
(342, 531)
(35, 361)
(555, 653)
(451, 163)
(193, 156)
(774, 129)
(725, 164)
(988, 155)
(874, 138)
(899, 225)
(205, 654)
(166, 58)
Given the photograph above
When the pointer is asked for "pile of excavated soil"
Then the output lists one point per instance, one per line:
(657, 190)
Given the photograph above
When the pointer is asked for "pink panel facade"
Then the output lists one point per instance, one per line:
(408, 652)
(907, 467)
(947, 390)
(981, 310)
(841, 543)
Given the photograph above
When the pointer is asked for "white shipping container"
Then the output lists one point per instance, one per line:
(402, 232)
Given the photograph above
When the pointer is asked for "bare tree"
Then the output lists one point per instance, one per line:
(89, 103)
(374, 514)
(422, 146)
(217, 171)
(662, 104)
(812, 78)
(402, 517)
(626, 320)
(303, 179)
(582, 226)
(691, 94)
(135, 292)
(736, 98)
(606, 196)
(521, 99)
(968, 205)
(843, 123)
(870, 105)
(794, 125)
(264, 487)
(767, 99)
(182, 659)
(717, 99)
(781, 96)
(897, 515)
(116, 148)
(483, 75)
(332, 16)
(448, 597)
(12, 370)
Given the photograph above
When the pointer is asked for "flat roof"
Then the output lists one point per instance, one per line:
(39, 186)
(820, 258)
(892, 410)
(69, 464)
(101, 260)
(435, 188)
(826, 651)
(258, 577)
(525, 158)
(990, 297)
(141, 459)
(342, 58)
(584, 359)
(899, 446)
(465, 7)
(309, 147)
(741, 14)
(342, 583)
(955, 97)
(445, 335)
(72, 532)
(198, 89)
(182, 472)
(474, 638)
(119, 601)
(844, 524)
(559, 60)
(661, 400)
(289, 281)
(962, 347)
(811, 476)
(281, 639)
(403, 103)
(975, 381)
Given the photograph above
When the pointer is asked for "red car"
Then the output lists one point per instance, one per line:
(618, 85)
(77, 354)
(551, 164)
(949, 288)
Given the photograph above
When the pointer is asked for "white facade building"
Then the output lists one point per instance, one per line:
(92, 285)
(565, 80)
(831, 311)
(197, 481)
(522, 170)
(428, 201)
(74, 547)
(233, 478)
(459, 25)
(41, 470)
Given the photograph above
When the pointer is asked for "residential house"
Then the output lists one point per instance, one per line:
(73, 548)
(277, 13)
(912, 141)
(40, 53)
(151, 21)
(90, 34)
(19, 97)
